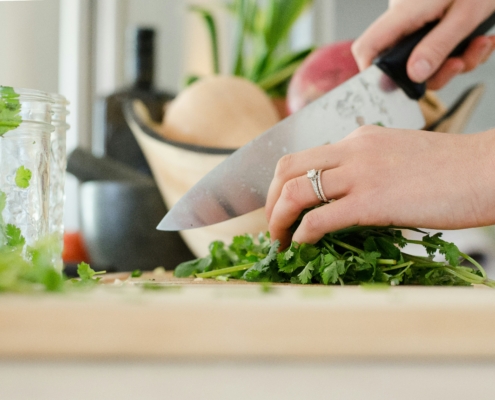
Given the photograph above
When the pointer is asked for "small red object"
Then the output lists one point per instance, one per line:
(74, 250)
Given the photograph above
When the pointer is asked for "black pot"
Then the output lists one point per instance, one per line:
(118, 224)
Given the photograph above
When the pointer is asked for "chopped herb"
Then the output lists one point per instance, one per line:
(136, 273)
(86, 273)
(23, 177)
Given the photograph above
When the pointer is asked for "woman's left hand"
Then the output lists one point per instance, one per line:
(381, 176)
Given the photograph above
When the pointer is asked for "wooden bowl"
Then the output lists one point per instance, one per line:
(177, 167)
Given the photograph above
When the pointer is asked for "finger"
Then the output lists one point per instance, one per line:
(451, 68)
(322, 220)
(461, 19)
(492, 49)
(477, 53)
(386, 31)
(478, 50)
(294, 165)
(298, 195)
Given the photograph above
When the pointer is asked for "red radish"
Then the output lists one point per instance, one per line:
(326, 68)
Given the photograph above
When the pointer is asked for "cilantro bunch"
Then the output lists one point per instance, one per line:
(352, 256)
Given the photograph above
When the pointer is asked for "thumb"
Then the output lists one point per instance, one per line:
(434, 49)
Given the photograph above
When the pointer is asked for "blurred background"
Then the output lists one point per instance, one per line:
(84, 50)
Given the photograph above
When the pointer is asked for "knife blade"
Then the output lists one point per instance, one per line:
(382, 94)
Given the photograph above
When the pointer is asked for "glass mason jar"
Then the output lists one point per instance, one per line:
(25, 128)
(58, 166)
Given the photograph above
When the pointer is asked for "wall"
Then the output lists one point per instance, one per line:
(29, 32)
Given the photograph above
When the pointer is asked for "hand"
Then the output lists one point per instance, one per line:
(381, 176)
(428, 62)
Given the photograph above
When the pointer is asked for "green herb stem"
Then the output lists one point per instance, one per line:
(422, 260)
(467, 276)
(225, 271)
(346, 246)
(475, 263)
(403, 265)
(330, 248)
(383, 261)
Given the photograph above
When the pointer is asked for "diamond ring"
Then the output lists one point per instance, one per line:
(315, 177)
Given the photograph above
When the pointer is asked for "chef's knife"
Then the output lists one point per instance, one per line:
(382, 94)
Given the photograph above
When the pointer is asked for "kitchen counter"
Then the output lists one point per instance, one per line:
(223, 336)
(208, 319)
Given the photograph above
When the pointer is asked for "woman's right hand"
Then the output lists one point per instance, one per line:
(429, 62)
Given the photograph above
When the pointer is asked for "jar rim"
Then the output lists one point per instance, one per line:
(60, 100)
(30, 94)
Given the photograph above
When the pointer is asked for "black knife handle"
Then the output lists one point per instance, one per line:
(394, 61)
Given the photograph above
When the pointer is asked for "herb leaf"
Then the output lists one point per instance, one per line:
(10, 108)
(14, 236)
(23, 177)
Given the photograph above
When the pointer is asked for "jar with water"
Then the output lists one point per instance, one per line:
(25, 128)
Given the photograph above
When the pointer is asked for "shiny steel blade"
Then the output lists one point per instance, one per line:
(240, 183)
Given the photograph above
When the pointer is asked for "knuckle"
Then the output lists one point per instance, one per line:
(436, 53)
(290, 191)
(311, 222)
(357, 48)
(273, 227)
(361, 131)
(284, 165)
(364, 130)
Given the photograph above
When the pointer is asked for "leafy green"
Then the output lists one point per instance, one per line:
(85, 272)
(10, 108)
(261, 45)
(212, 29)
(356, 255)
(30, 269)
(23, 177)
(191, 267)
(14, 236)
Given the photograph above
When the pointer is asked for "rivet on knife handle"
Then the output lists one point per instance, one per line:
(394, 61)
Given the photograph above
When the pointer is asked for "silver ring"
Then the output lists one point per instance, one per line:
(315, 177)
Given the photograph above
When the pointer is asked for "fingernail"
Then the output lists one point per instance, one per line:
(421, 70)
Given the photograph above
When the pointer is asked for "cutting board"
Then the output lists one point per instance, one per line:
(193, 319)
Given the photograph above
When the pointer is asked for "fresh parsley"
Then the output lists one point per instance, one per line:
(352, 256)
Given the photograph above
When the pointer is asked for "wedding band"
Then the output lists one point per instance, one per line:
(320, 188)
(315, 177)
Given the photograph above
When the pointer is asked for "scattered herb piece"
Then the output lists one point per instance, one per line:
(23, 177)
(86, 273)
(267, 287)
(136, 273)
(160, 287)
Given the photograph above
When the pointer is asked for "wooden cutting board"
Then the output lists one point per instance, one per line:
(211, 319)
